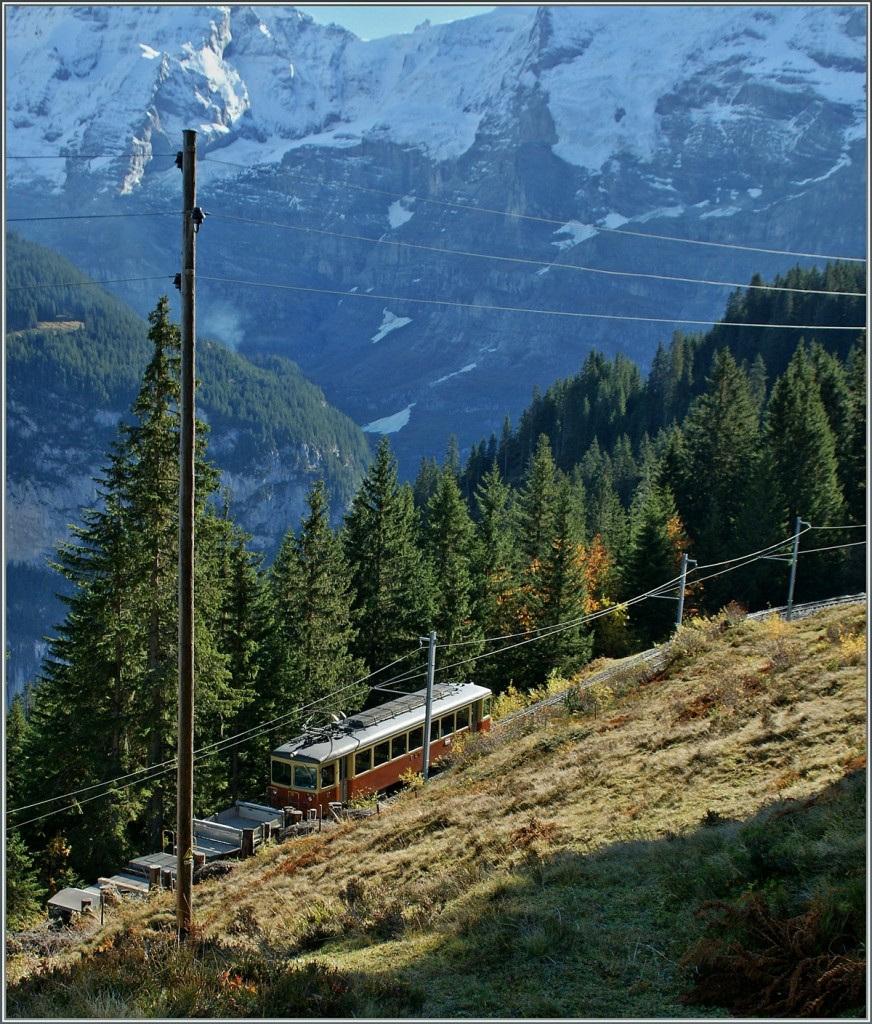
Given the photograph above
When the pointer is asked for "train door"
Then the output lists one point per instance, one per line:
(343, 779)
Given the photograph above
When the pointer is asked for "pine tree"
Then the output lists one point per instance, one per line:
(106, 707)
(805, 467)
(656, 545)
(854, 481)
(720, 448)
(243, 627)
(391, 586)
(15, 738)
(24, 893)
(535, 507)
(448, 541)
(312, 663)
(556, 596)
(425, 483)
(493, 558)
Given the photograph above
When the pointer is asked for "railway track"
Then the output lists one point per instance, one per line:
(657, 657)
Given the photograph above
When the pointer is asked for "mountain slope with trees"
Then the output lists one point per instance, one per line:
(74, 360)
(528, 579)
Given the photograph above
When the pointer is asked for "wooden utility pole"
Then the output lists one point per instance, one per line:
(185, 786)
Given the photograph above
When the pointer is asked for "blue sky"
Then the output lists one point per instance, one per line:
(372, 21)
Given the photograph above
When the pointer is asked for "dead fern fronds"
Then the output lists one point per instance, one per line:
(773, 966)
(535, 829)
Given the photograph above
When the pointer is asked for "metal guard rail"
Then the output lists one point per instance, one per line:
(656, 656)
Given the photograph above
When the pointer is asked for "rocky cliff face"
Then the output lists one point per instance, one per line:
(388, 213)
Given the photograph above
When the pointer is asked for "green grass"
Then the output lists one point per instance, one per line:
(627, 865)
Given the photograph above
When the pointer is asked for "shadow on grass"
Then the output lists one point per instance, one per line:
(762, 917)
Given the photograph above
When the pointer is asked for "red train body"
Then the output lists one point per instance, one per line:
(369, 751)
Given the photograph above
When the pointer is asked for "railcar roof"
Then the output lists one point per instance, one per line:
(376, 724)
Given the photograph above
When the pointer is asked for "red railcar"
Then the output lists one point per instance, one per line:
(370, 750)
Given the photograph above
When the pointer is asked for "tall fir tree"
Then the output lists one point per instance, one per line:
(448, 541)
(556, 598)
(657, 542)
(493, 559)
(393, 594)
(536, 504)
(243, 627)
(313, 666)
(106, 707)
(805, 466)
(721, 443)
(856, 463)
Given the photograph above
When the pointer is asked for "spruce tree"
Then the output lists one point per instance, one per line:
(448, 541)
(656, 545)
(803, 448)
(243, 627)
(493, 558)
(855, 465)
(24, 893)
(556, 598)
(15, 738)
(106, 707)
(721, 444)
(391, 586)
(312, 663)
(535, 507)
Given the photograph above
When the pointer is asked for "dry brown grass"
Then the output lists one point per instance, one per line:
(754, 714)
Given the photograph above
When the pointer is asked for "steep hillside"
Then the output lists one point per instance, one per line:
(683, 844)
(74, 360)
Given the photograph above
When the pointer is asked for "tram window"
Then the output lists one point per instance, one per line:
(363, 761)
(328, 775)
(416, 738)
(399, 746)
(463, 718)
(486, 707)
(305, 776)
(446, 726)
(434, 730)
(382, 753)
(281, 773)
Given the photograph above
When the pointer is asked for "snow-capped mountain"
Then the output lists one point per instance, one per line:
(406, 217)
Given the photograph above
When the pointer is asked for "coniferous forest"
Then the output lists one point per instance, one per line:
(548, 533)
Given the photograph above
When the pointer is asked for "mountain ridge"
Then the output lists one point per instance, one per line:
(322, 156)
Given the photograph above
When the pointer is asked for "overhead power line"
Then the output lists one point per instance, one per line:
(518, 309)
(545, 264)
(82, 156)
(86, 284)
(546, 220)
(89, 216)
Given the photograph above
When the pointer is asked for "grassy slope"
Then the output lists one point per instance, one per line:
(557, 870)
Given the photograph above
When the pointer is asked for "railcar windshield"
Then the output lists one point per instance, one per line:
(305, 776)
(281, 772)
